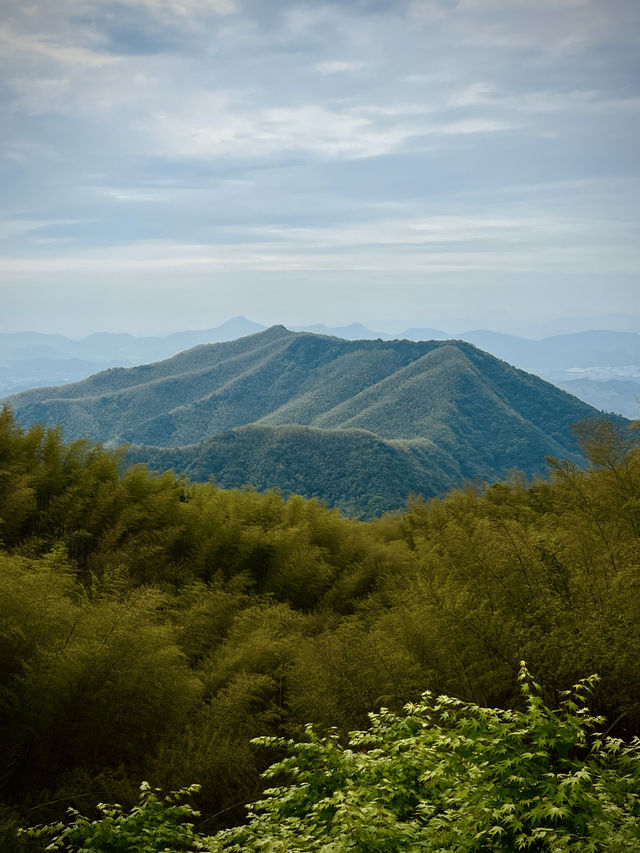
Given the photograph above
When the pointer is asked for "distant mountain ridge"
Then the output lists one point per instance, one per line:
(278, 408)
(607, 364)
(105, 346)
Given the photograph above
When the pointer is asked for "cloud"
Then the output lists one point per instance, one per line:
(221, 129)
(339, 66)
(516, 241)
(39, 45)
(18, 227)
(205, 136)
(190, 7)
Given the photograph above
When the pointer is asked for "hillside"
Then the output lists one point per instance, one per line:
(34, 360)
(354, 470)
(607, 363)
(430, 414)
(580, 349)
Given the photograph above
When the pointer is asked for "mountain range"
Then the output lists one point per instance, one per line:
(360, 424)
(600, 367)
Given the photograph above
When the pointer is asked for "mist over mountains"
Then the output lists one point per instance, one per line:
(360, 424)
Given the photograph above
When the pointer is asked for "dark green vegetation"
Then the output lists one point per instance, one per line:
(352, 469)
(429, 414)
(448, 776)
(149, 628)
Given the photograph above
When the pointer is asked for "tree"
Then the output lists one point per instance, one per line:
(445, 776)
(453, 776)
(155, 824)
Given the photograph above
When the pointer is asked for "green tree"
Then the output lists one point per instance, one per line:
(453, 776)
(155, 825)
(445, 776)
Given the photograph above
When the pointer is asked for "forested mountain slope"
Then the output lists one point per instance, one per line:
(605, 362)
(352, 469)
(456, 411)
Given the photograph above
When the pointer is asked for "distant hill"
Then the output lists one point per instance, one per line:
(32, 360)
(104, 346)
(581, 349)
(384, 417)
(620, 395)
(352, 332)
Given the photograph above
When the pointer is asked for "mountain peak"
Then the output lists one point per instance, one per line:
(277, 331)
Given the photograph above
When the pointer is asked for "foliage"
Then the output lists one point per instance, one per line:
(446, 776)
(150, 627)
(359, 424)
(457, 777)
(354, 470)
(152, 826)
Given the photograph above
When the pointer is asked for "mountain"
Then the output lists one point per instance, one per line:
(602, 368)
(352, 469)
(32, 360)
(612, 395)
(421, 334)
(39, 371)
(581, 349)
(352, 332)
(354, 422)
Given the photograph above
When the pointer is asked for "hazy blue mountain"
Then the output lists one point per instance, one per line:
(109, 345)
(421, 334)
(436, 412)
(35, 345)
(582, 349)
(32, 360)
(352, 332)
(42, 371)
(611, 395)
(237, 327)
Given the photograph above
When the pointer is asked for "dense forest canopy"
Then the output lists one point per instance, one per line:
(150, 627)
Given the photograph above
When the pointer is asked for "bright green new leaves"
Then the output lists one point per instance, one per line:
(453, 776)
(154, 825)
(445, 776)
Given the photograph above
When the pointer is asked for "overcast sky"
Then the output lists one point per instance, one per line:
(458, 164)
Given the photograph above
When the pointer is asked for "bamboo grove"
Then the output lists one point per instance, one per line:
(151, 627)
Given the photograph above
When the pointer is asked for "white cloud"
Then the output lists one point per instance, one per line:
(189, 7)
(44, 46)
(549, 101)
(515, 241)
(339, 66)
(222, 129)
(132, 194)
(268, 116)
(180, 259)
(474, 125)
(11, 228)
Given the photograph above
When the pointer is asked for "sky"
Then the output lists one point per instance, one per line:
(451, 164)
